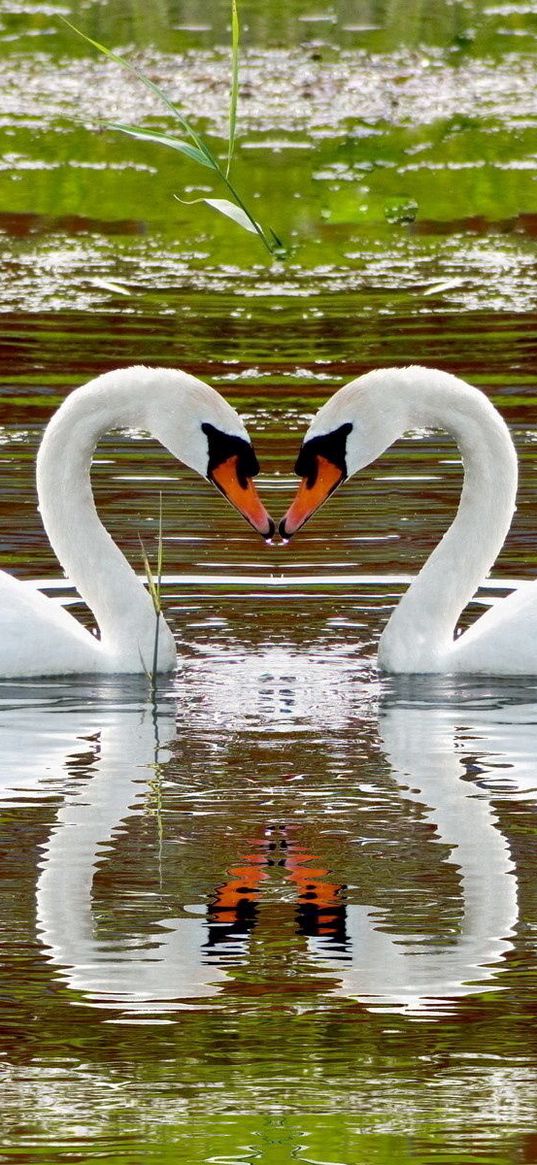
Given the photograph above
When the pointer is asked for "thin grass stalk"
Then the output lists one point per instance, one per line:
(199, 151)
(234, 93)
(155, 787)
(133, 69)
(154, 591)
(259, 230)
(157, 605)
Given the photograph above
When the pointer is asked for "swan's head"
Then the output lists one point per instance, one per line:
(203, 431)
(352, 429)
(231, 464)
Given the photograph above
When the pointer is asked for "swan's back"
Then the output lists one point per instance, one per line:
(503, 641)
(38, 636)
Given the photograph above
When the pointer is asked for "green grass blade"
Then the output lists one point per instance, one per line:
(234, 94)
(188, 201)
(162, 139)
(145, 81)
(101, 47)
(256, 226)
(231, 210)
(153, 591)
(156, 603)
(279, 247)
(199, 152)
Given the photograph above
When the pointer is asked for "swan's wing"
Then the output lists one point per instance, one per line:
(503, 641)
(38, 636)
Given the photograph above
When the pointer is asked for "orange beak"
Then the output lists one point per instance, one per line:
(310, 496)
(242, 494)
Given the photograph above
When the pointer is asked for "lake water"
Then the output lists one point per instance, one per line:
(286, 912)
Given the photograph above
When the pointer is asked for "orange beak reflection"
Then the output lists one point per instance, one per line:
(242, 494)
(309, 497)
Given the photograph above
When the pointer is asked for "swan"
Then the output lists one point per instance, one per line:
(353, 428)
(38, 637)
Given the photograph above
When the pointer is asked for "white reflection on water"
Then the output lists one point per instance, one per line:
(449, 753)
(424, 749)
(150, 968)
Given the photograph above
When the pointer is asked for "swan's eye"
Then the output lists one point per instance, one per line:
(222, 447)
(331, 447)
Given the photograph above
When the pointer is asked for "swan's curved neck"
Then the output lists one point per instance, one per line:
(421, 629)
(121, 605)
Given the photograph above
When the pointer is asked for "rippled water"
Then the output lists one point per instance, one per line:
(286, 911)
(311, 889)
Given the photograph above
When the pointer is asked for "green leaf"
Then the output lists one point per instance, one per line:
(234, 93)
(188, 201)
(153, 591)
(145, 81)
(163, 139)
(232, 211)
(199, 151)
(102, 48)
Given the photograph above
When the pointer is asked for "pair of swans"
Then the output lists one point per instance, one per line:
(197, 426)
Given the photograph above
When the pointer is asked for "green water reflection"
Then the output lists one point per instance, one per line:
(338, 132)
(203, 927)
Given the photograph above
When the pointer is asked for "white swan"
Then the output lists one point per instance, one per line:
(192, 420)
(353, 428)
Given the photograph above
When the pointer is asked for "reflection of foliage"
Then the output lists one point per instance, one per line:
(195, 148)
(155, 807)
(400, 211)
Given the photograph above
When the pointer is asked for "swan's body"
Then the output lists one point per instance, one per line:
(39, 637)
(352, 429)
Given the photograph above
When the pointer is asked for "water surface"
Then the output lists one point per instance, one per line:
(286, 912)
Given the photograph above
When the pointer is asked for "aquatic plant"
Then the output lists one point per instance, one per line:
(154, 587)
(195, 147)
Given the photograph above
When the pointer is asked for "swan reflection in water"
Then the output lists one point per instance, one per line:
(406, 972)
(430, 750)
(150, 968)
